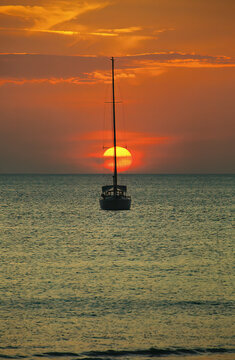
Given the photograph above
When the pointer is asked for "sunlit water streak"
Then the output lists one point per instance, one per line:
(79, 282)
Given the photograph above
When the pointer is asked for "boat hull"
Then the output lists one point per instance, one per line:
(114, 203)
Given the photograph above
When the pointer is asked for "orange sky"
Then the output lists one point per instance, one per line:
(175, 71)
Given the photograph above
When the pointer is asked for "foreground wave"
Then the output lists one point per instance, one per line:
(109, 354)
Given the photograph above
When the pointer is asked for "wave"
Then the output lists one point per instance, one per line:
(4, 356)
(157, 352)
(57, 354)
(110, 354)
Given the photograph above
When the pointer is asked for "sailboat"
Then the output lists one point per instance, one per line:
(114, 197)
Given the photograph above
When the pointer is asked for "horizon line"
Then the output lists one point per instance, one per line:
(94, 174)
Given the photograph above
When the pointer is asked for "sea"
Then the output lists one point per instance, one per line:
(80, 283)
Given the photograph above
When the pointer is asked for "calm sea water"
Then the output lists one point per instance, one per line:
(80, 283)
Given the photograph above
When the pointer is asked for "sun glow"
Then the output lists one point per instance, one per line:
(124, 158)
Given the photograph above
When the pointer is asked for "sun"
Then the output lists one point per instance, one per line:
(124, 158)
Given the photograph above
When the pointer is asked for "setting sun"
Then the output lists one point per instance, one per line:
(124, 158)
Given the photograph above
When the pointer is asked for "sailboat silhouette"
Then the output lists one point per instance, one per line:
(114, 197)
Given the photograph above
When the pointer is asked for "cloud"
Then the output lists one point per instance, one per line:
(117, 32)
(115, 26)
(171, 57)
(60, 32)
(134, 137)
(61, 18)
(53, 81)
(32, 68)
(45, 18)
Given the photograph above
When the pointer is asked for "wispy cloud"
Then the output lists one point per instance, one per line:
(46, 18)
(154, 63)
(23, 68)
(59, 18)
(60, 32)
(99, 33)
(117, 32)
(53, 81)
(134, 137)
(163, 57)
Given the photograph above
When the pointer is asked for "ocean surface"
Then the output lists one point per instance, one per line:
(77, 282)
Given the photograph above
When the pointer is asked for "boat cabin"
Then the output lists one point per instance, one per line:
(111, 191)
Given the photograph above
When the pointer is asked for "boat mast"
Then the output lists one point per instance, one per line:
(114, 132)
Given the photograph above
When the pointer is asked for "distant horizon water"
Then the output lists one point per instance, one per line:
(120, 174)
